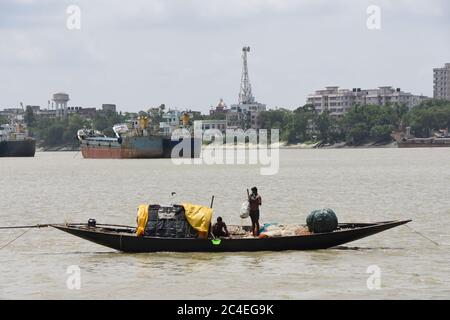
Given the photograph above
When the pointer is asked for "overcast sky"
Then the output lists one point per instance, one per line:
(187, 53)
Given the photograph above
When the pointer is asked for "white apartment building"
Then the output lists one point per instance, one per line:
(441, 82)
(339, 101)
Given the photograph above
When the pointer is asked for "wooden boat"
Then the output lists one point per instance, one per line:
(123, 238)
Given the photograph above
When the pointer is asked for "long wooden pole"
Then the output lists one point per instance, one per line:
(26, 227)
(212, 233)
(212, 202)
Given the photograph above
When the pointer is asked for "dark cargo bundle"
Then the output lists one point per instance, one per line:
(168, 222)
(323, 220)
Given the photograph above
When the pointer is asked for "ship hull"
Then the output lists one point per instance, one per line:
(23, 148)
(130, 148)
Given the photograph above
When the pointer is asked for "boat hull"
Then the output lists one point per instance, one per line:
(130, 148)
(22, 148)
(125, 240)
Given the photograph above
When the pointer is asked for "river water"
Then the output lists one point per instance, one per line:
(361, 185)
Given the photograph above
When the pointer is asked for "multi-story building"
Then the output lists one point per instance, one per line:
(339, 101)
(245, 115)
(35, 109)
(235, 120)
(47, 113)
(172, 117)
(441, 82)
(108, 107)
(210, 124)
(13, 114)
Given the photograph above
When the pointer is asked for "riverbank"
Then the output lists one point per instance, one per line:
(339, 145)
(62, 148)
(281, 145)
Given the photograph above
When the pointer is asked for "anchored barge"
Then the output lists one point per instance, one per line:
(439, 139)
(15, 142)
(135, 139)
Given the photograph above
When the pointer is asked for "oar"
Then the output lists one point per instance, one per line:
(212, 202)
(21, 227)
(210, 224)
(27, 227)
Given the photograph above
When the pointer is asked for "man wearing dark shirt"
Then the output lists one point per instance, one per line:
(255, 201)
(220, 228)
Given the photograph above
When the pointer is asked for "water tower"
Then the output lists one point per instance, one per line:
(60, 99)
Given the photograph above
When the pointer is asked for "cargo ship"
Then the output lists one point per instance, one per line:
(136, 139)
(439, 139)
(15, 142)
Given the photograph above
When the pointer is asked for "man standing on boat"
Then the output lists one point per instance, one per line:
(255, 201)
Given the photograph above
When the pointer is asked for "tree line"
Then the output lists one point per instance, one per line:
(360, 124)
(52, 132)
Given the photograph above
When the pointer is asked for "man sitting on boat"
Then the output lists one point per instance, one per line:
(220, 228)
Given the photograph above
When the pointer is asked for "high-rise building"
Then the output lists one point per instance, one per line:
(441, 82)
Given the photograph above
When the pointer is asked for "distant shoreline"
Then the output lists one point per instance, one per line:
(282, 146)
(58, 149)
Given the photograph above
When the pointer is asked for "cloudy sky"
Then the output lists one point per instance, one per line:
(187, 53)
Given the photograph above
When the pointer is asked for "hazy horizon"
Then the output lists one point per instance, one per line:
(187, 54)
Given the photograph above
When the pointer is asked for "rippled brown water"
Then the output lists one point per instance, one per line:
(360, 185)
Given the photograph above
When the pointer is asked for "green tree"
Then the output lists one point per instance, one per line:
(75, 123)
(324, 124)
(304, 119)
(281, 119)
(100, 122)
(358, 133)
(3, 120)
(373, 122)
(54, 135)
(429, 116)
(29, 116)
(381, 133)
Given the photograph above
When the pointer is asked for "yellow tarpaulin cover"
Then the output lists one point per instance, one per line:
(199, 217)
(142, 218)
